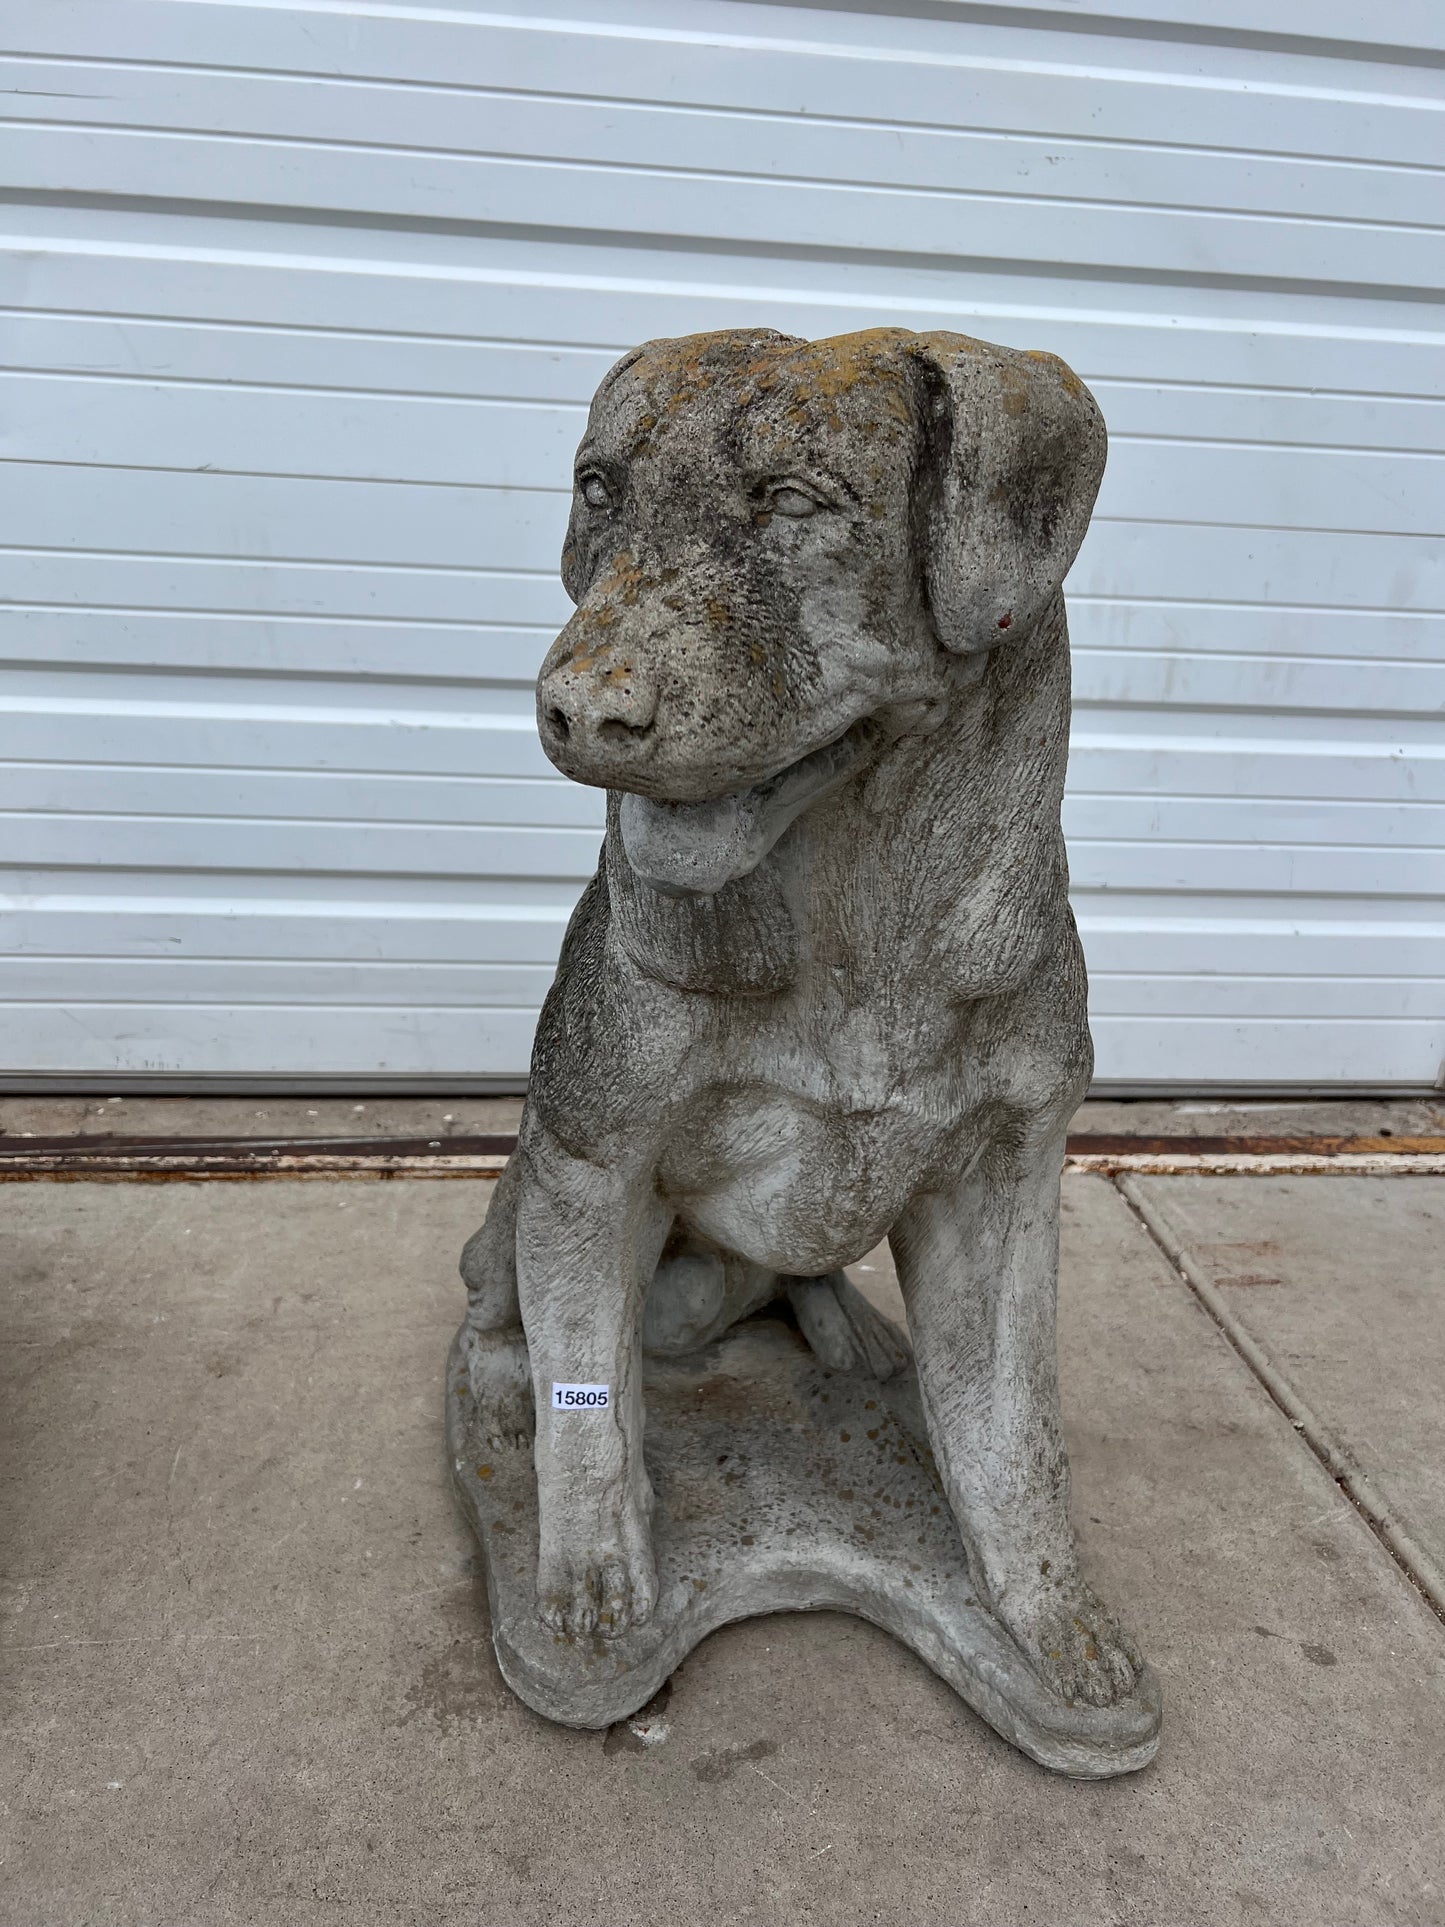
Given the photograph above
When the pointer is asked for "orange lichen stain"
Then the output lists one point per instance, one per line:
(620, 588)
(625, 580)
(821, 374)
(1015, 394)
(586, 657)
(719, 614)
(484, 1471)
(1073, 387)
(679, 368)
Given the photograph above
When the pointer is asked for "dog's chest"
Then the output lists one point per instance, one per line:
(814, 1131)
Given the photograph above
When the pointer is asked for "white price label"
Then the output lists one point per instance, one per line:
(581, 1398)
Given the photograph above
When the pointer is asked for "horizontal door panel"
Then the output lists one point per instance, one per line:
(237, 359)
(330, 121)
(687, 204)
(487, 803)
(238, 1040)
(1203, 868)
(245, 585)
(442, 292)
(1290, 999)
(42, 980)
(311, 1041)
(1359, 948)
(216, 845)
(355, 801)
(1229, 1053)
(1007, 76)
(1127, 645)
(37, 840)
(441, 746)
(158, 920)
(510, 445)
(386, 526)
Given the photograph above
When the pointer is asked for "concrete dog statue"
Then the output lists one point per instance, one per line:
(825, 985)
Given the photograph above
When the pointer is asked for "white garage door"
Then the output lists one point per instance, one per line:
(302, 309)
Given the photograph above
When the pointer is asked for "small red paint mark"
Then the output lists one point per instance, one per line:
(1004, 621)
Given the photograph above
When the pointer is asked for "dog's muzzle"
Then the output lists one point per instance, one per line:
(694, 849)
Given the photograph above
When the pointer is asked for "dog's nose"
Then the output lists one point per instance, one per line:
(608, 708)
(616, 716)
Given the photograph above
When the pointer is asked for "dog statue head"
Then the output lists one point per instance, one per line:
(781, 551)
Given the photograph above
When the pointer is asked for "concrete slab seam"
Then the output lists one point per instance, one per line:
(1417, 1565)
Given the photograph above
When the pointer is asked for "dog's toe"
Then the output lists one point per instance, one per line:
(846, 1333)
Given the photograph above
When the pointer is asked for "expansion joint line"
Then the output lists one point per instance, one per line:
(1414, 1561)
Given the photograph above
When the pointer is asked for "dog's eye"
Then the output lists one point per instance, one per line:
(792, 501)
(595, 492)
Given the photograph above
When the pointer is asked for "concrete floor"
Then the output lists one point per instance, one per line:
(246, 1669)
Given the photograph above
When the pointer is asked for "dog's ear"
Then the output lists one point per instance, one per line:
(1013, 453)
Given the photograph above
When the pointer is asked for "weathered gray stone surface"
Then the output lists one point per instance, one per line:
(826, 984)
(239, 1689)
(779, 1487)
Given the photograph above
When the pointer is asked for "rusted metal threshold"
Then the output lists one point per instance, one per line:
(240, 1159)
(243, 1158)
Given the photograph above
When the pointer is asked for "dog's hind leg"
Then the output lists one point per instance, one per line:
(496, 1350)
(698, 1291)
(846, 1333)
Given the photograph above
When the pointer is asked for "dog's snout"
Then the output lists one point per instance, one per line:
(596, 708)
(619, 714)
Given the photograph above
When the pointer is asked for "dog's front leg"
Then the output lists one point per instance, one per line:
(588, 1240)
(979, 1270)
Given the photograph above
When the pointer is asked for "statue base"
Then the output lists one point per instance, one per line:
(780, 1487)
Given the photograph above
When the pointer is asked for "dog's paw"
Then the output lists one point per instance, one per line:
(1074, 1643)
(604, 1582)
(846, 1333)
(500, 1379)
